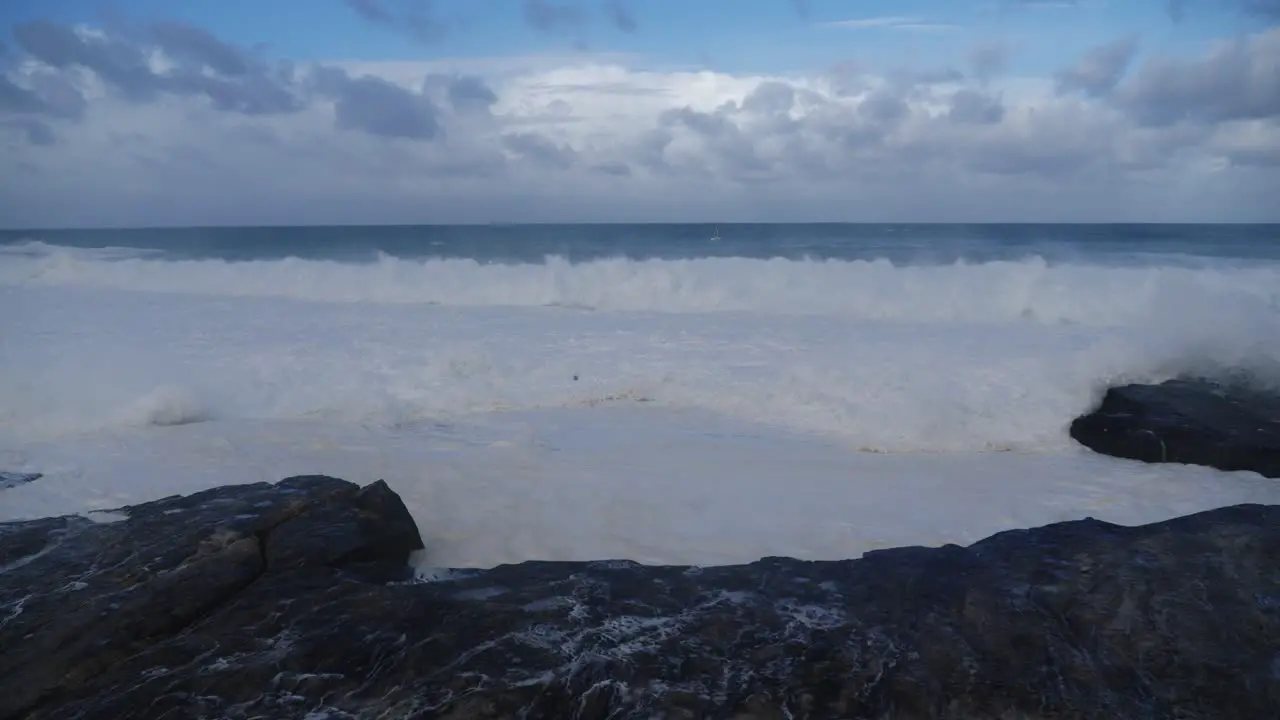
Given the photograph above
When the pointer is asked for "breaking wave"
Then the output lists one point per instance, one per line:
(1005, 291)
(891, 358)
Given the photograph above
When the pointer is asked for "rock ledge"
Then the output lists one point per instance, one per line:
(290, 601)
(1196, 422)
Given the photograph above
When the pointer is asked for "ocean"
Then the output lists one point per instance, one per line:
(661, 393)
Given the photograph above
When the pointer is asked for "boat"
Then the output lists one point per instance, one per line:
(715, 232)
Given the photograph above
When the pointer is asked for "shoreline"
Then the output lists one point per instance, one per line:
(295, 600)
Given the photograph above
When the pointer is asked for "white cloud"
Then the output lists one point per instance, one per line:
(1248, 142)
(594, 137)
(894, 22)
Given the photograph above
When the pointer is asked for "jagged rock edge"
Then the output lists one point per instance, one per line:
(260, 538)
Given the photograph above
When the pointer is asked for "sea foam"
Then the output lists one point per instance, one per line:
(889, 358)
(662, 411)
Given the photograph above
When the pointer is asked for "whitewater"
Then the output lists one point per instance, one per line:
(661, 403)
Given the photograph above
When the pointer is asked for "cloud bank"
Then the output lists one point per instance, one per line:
(169, 124)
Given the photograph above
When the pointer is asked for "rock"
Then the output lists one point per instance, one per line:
(14, 479)
(208, 606)
(79, 597)
(1194, 422)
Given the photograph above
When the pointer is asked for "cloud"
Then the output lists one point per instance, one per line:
(1252, 143)
(895, 22)
(1238, 79)
(422, 19)
(470, 93)
(118, 129)
(378, 107)
(49, 95)
(416, 17)
(620, 16)
(371, 10)
(37, 132)
(771, 98)
(935, 76)
(17, 99)
(116, 62)
(554, 16)
(988, 60)
(1100, 70)
(197, 46)
(1269, 9)
(614, 167)
(975, 108)
(540, 150)
(200, 65)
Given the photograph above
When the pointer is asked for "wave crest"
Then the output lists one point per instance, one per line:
(993, 356)
(1030, 290)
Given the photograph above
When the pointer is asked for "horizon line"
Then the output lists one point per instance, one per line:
(300, 226)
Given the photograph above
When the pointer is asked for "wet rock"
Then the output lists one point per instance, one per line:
(14, 479)
(1195, 422)
(78, 597)
(190, 609)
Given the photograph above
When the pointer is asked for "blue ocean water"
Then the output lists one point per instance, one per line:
(897, 243)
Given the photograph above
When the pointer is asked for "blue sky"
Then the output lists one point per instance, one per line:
(729, 35)
(352, 111)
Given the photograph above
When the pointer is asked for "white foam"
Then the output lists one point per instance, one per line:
(706, 411)
(1029, 290)
(643, 483)
(953, 358)
(38, 250)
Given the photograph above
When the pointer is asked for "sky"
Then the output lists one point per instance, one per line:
(265, 112)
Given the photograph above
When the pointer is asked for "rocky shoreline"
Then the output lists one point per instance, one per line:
(296, 600)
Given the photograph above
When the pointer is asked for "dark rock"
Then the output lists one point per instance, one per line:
(365, 534)
(14, 479)
(78, 598)
(1194, 422)
(189, 609)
